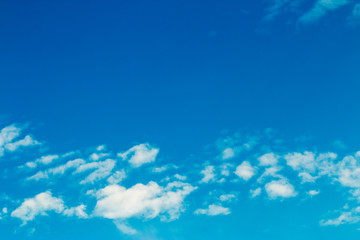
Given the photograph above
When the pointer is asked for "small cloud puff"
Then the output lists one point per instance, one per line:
(140, 154)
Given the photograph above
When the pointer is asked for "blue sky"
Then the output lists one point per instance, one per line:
(180, 119)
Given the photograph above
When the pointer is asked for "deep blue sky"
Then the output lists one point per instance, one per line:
(176, 74)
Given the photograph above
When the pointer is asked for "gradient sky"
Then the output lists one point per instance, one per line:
(180, 119)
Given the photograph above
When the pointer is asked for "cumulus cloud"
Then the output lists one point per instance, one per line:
(227, 197)
(313, 192)
(41, 204)
(269, 159)
(140, 154)
(117, 177)
(78, 211)
(228, 153)
(301, 161)
(208, 173)
(280, 189)
(148, 201)
(213, 210)
(9, 134)
(245, 171)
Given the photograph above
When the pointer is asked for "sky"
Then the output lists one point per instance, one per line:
(156, 120)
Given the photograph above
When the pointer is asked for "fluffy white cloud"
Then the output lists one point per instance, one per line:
(269, 159)
(148, 201)
(313, 192)
(245, 171)
(349, 172)
(228, 153)
(78, 211)
(213, 210)
(117, 177)
(280, 188)
(9, 134)
(227, 197)
(140, 154)
(301, 161)
(39, 205)
(208, 173)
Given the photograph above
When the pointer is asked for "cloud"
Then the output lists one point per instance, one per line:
(313, 192)
(245, 171)
(227, 197)
(320, 9)
(228, 153)
(57, 170)
(102, 170)
(140, 154)
(43, 160)
(39, 205)
(349, 172)
(354, 18)
(352, 216)
(301, 161)
(269, 159)
(255, 192)
(117, 177)
(10, 133)
(148, 201)
(209, 174)
(124, 228)
(78, 211)
(280, 188)
(213, 210)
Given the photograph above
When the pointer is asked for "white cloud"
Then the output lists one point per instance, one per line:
(306, 177)
(78, 211)
(345, 217)
(245, 171)
(271, 172)
(349, 172)
(103, 170)
(39, 205)
(255, 192)
(269, 159)
(140, 154)
(117, 177)
(320, 9)
(227, 197)
(148, 201)
(208, 173)
(43, 160)
(228, 153)
(180, 177)
(213, 210)
(57, 170)
(124, 228)
(25, 142)
(301, 161)
(313, 192)
(280, 188)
